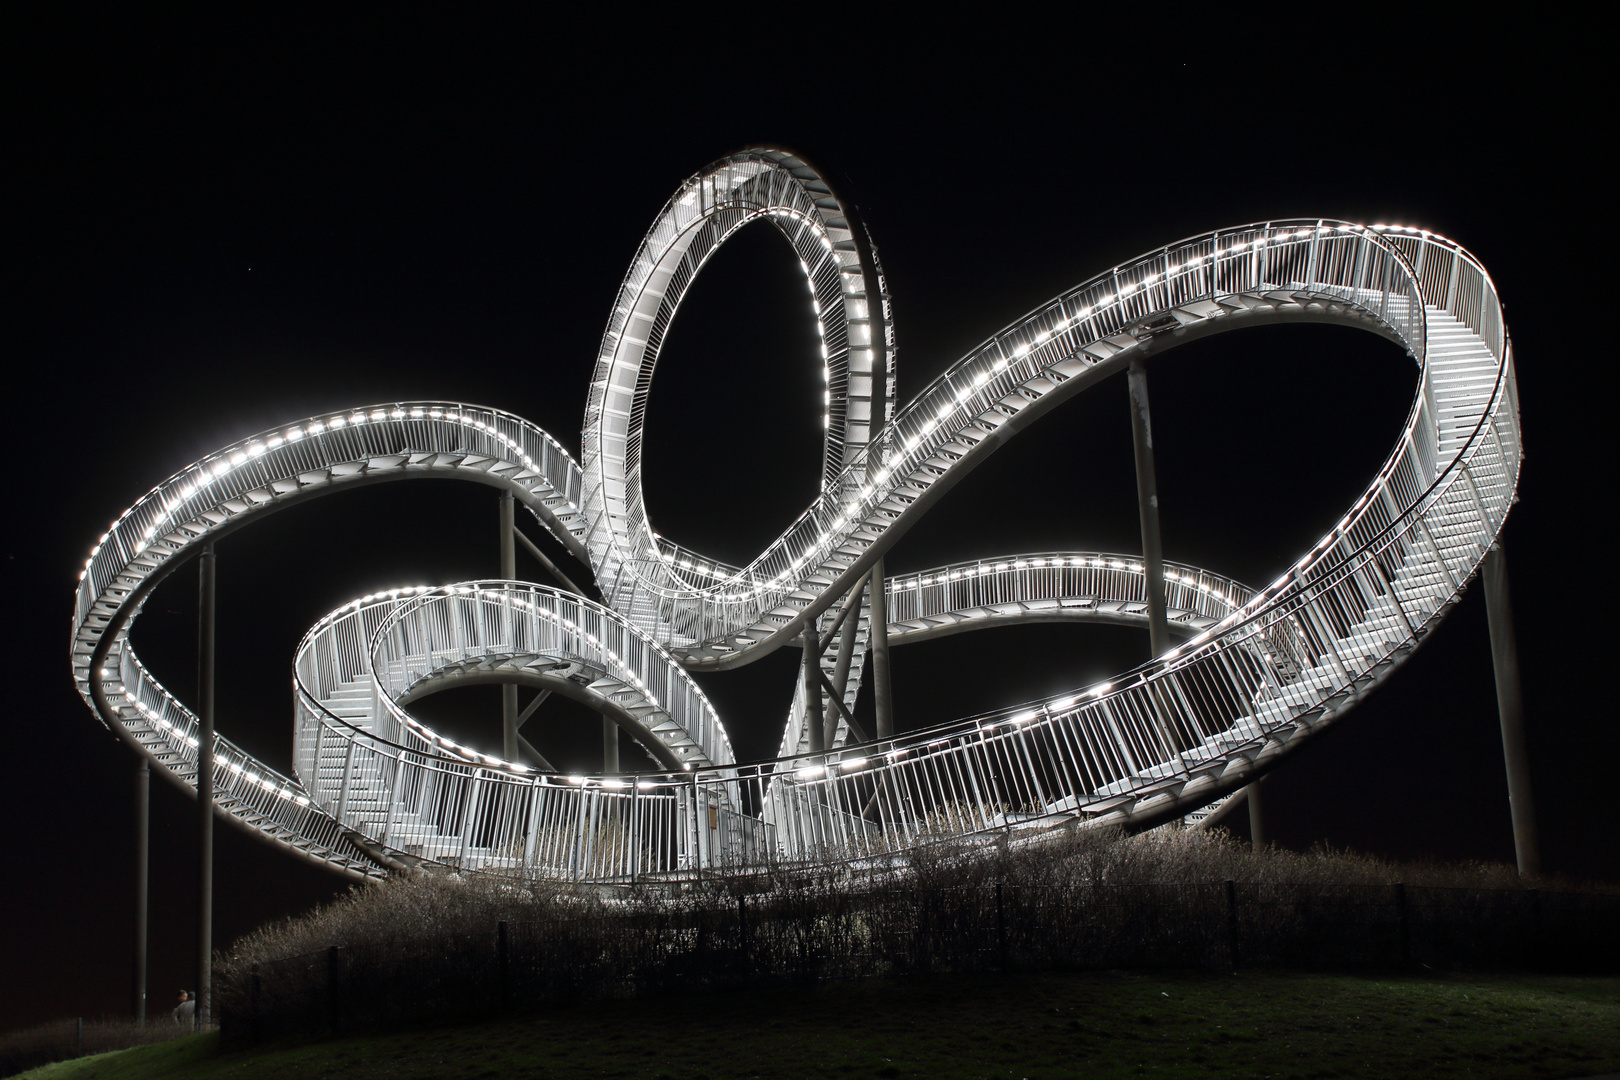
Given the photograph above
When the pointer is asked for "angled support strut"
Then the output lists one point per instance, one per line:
(1147, 501)
(1510, 705)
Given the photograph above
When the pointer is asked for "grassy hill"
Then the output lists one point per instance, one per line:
(1047, 1026)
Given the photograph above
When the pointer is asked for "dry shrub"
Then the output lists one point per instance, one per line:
(415, 905)
(427, 944)
(408, 906)
(29, 1048)
(1175, 856)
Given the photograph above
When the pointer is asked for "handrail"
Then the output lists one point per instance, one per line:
(1265, 671)
(989, 373)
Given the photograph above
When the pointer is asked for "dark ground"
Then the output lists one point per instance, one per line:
(1033, 1027)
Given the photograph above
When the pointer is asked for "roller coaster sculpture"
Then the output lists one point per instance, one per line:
(1256, 674)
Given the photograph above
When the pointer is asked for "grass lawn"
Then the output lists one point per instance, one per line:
(1253, 1024)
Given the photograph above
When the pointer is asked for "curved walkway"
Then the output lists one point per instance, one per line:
(1259, 674)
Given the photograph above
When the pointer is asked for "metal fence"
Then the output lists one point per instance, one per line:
(660, 945)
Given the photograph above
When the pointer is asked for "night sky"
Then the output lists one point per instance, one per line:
(215, 228)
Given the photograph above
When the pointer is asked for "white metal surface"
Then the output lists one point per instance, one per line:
(1262, 672)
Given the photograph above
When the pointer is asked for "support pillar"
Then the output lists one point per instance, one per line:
(509, 691)
(882, 687)
(1147, 501)
(508, 539)
(143, 789)
(1510, 706)
(848, 628)
(814, 721)
(549, 566)
(1257, 821)
(877, 590)
(523, 718)
(205, 783)
(610, 745)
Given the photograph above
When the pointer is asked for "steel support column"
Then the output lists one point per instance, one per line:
(143, 790)
(1257, 821)
(205, 782)
(1510, 706)
(549, 566)
(844, 628)
(509, 691)
(813, 717)
(877, 589)
(1147, 501)
(882, 688)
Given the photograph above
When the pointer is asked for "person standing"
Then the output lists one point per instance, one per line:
(186, 1011)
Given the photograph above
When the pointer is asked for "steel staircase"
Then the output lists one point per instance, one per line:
(1256, 674)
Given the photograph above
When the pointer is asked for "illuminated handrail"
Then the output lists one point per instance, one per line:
(969, 402)
(1191, 593)
(405, 761)
(281, 467)
(1265, 670)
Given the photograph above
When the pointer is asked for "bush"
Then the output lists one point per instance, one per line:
(441, 944)
(445, 905)
(29, 1048)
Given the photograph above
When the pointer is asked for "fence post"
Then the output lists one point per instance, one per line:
(742, 931)
(503, 952)
(253, 1004)
(1406, 933)
(332, 987)
(1232, 922)
(699, 820)
(1001, 928)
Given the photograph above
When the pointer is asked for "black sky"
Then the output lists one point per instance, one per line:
(216, 227)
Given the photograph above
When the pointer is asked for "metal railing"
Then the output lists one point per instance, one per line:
(1269, 668)
(247, 790)
(1185, 727)
(848, 302)
(1330, 263)
(386, 648)
(1191, 593)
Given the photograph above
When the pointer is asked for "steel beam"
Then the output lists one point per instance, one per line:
(143, 802)
(852, 603)
(549, 566)
(882, 687)
(540, 759)
(1239, 797)
(528, 710)
(1510, 707)
(509, 691)
(846, 641)
(205, 781)
(839, 709)
(813, 717)
(1147, 501)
